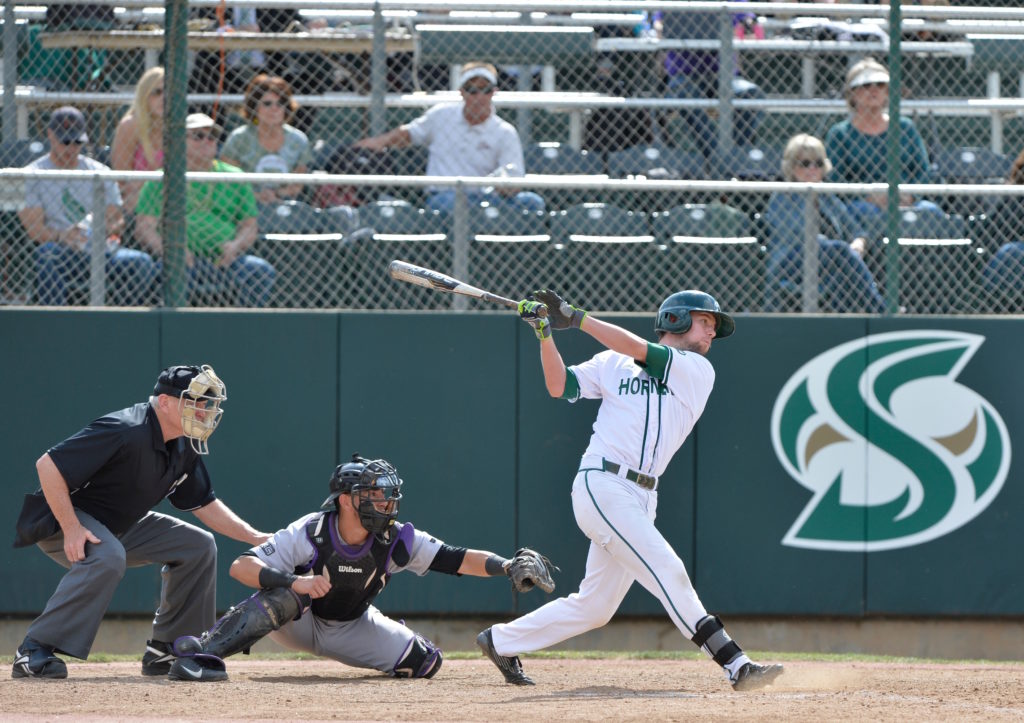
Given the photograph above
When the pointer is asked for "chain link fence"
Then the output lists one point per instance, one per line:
(633, 151)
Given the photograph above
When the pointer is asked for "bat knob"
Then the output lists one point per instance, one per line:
(542, 312)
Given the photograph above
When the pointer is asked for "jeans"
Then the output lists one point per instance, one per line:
(1003, 276)
(251, 276)
(444, 201)
(844, 281)
(130, 274)
(705, 134)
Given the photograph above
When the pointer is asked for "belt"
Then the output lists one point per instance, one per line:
(647, 481)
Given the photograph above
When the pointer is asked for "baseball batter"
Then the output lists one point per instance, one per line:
(651, 397)
(318, 579)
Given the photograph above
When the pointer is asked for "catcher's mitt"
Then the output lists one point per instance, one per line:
(529, 569)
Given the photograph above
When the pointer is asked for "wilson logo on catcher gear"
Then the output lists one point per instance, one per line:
(895, 451)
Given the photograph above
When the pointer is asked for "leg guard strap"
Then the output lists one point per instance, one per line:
(422, 659)
(710, 635)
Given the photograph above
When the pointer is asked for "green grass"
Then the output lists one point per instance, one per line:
(616, 655)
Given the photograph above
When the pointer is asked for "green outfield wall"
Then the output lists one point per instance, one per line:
(847, 467)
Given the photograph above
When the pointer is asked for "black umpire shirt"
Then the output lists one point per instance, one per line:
(118, 468)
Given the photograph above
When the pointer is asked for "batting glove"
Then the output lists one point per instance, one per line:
(563, 315)
(529, 311)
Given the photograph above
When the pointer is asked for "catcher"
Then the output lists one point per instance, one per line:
(319, 576)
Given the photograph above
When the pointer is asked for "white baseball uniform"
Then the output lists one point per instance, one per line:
(645, 416)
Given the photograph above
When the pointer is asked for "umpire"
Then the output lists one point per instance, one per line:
(93, 516)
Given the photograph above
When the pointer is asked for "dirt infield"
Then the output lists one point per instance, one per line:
(471, 690)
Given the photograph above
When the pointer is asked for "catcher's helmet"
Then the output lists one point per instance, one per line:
(375, 489)
(674, 314)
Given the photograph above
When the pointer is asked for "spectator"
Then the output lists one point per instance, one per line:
(465, 139)
(58, 216)
(693, 74)
(846, 284)
(267, 144)
(139, 140)
(857, 146)
(1002, 234)
(220, 220)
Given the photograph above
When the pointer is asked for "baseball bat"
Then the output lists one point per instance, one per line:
(413, 274)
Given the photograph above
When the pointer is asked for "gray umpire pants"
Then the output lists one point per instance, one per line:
(188, 581)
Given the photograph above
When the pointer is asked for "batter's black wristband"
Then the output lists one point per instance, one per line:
(271, 577)
(495, 565)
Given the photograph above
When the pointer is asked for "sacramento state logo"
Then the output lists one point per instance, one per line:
(895, 451)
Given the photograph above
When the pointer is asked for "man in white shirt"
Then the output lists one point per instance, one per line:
(466, 139)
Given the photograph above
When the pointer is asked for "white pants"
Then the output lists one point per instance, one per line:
(618, 517)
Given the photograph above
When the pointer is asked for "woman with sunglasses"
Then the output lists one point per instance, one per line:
(846, 284)
(857, 146)
(139, 139)
(267, 144)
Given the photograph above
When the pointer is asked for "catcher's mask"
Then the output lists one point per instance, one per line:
(199, 392)
(674, 314)
(374, 487)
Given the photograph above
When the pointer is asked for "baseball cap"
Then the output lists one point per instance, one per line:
(868, 76)
(199, 120)
(68, 124)
(478, 72)
(176, 379)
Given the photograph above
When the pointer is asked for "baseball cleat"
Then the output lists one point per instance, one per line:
(192, 669)
(32, 660)
(157, 658)
(754, 677)
(510, 667)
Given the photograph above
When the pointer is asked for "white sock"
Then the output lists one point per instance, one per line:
(734, 667)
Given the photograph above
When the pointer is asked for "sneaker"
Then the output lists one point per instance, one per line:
(32, 660)
(201, 668)
(511, 668)
(157, 658)
(754, 677)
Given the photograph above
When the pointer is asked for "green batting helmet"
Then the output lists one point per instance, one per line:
(674, 314)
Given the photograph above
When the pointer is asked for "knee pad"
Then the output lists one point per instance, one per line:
(711, 637)
(246, 623)
(421, 659)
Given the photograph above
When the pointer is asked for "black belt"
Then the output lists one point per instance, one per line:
(647, 481)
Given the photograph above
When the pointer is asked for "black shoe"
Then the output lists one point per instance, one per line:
(511, 668)
(753, 676)
(202, 668)
(32, 660)
(157, 658)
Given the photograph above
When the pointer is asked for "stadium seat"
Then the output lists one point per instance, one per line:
(511, 250)
(655, 162)
(748, 163)
(969, 165)
(552, 158)
(939, 264)
(711, 247)
(293, 239)
(397, 230)
(21, 151)
(607, 254)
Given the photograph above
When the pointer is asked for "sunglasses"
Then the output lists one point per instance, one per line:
(157, 91)
(810, 163)
(478, 89)
(71, 143)
(272, 103)
(201, 136)
(874, 85)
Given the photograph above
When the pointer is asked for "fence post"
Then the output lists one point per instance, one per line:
(460, 243)
(172, 223)
(98, 244)
(809, 292)
(892, 154)
(378, 73)
(726, 71)
(10, 112)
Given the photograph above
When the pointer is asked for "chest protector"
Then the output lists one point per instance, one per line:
(357, 574)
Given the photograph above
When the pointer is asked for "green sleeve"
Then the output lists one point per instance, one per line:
(150, 199)
(572, 386)
(657, 360)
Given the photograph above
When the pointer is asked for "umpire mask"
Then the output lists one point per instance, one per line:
(200, 392)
